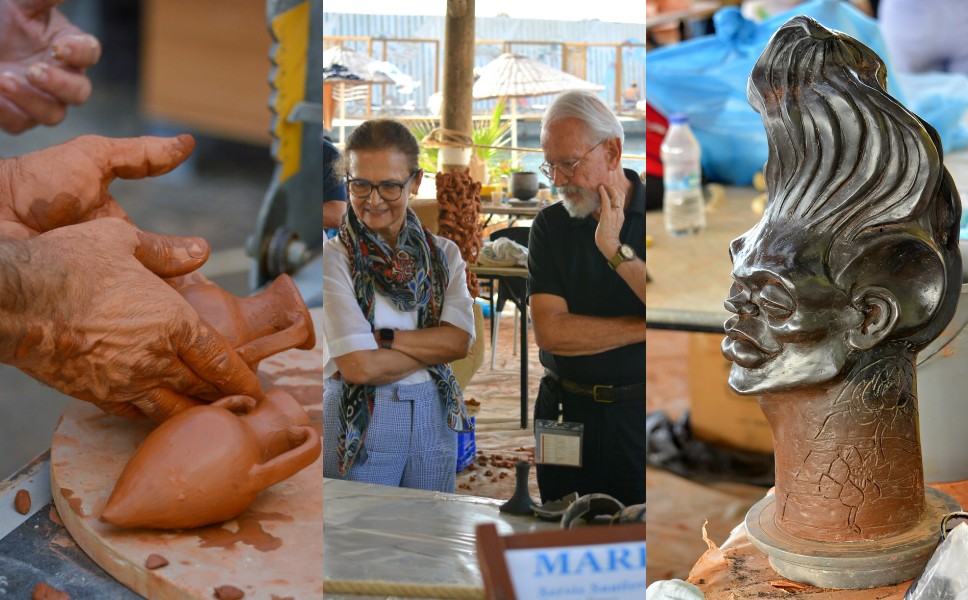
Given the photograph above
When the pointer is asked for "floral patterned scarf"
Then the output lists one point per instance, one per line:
(414, 277)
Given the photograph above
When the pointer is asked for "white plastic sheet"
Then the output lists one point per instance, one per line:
(382, 533)
(945, 576)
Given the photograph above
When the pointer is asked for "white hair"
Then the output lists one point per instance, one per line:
(599, 119)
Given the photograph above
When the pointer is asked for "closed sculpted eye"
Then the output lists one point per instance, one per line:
(776, 302)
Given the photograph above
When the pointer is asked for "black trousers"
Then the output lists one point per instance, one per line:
(613, 447)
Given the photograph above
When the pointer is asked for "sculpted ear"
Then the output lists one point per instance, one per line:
(881, 312)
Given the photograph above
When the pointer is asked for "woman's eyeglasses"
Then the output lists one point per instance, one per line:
(567, 169)
(388, 190)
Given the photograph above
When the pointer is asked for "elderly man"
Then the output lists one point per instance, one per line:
(586, 284)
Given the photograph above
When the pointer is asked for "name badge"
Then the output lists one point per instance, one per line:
(558, 442)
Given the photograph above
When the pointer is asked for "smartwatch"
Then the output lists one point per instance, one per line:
(625, 253)
(386, 338)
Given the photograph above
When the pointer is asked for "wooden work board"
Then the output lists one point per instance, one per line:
(272, 551)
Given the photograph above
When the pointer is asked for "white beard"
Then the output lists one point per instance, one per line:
(579, 202)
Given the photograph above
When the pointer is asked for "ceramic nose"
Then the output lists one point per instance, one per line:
(748, 308)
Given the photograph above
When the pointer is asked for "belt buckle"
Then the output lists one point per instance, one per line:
(604, 389)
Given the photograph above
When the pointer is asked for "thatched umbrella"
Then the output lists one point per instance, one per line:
(516, 76)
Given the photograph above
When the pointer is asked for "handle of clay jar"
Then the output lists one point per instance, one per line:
(290, 337)
(288, 463)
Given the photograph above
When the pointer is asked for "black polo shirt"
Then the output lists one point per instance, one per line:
(563, 260)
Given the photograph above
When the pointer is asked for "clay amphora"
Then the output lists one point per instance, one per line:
(256, 326)
(206, 464)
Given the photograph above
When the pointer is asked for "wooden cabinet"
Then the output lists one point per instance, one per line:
(205, 66)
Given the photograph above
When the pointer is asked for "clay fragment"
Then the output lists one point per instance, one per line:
(42, 591)
(789, 586)
(155, 561)
(21, 502)
(228, 592)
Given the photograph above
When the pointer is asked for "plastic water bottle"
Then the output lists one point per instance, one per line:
(685, 212)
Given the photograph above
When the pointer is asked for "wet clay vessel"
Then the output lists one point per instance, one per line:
(256, 326)
(206, 465)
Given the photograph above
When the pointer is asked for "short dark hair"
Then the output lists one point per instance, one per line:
(381, 134)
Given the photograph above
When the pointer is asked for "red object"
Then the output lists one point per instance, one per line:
(655, 130)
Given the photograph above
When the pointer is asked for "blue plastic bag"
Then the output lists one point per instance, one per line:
(705, 78)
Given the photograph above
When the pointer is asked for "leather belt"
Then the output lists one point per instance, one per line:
(605, 394)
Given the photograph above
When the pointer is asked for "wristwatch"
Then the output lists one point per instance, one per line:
(386, 338)
(624, 253)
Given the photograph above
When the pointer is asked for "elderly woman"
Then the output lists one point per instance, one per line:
(396, 311)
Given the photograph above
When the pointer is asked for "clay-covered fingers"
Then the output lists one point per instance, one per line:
(216, 363)
(121, 409)
(139, 157)
(169, 255)
(160, 404)
(61, 86)
(76, 50)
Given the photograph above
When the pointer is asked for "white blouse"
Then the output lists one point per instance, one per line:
(345, 327)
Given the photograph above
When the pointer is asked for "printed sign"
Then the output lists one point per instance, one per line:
(600, 572)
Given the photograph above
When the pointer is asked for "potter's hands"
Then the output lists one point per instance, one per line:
(92, 318)
(42, 61)
(610, 220)
(68, 183)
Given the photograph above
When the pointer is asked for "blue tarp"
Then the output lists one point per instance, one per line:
(705, 78)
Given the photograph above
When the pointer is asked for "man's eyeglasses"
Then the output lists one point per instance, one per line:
(388, 190)
(567, 169)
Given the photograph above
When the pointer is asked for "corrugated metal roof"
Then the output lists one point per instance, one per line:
(417, 59)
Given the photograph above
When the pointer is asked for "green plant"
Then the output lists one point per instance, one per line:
(493, 133)
(428, 154)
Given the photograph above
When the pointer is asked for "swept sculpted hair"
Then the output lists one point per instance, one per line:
(862, 174)
(599, 119)
(382, 134)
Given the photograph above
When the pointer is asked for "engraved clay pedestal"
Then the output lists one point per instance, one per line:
(853, 269)
(849, 565)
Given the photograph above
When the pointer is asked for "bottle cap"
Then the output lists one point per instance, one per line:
(678, 119)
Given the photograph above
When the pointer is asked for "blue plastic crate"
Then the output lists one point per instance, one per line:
(485, 307)
(466, 449)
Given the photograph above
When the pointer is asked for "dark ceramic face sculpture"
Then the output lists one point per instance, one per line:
(853, 268)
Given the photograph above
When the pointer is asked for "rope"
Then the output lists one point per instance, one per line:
(407, 590)
(446, 138)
